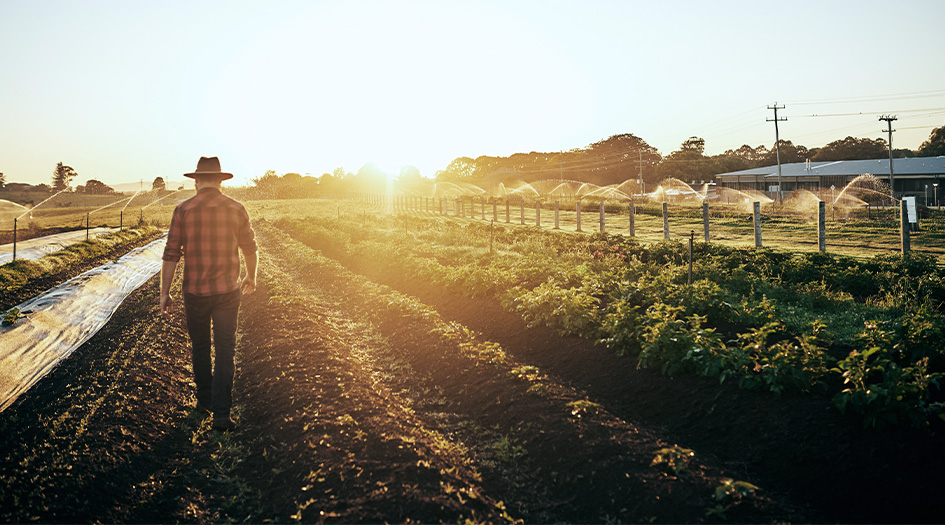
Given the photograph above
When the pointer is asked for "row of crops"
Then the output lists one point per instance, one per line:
(866, 333)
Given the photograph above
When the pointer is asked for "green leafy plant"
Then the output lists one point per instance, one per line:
(526, 373)
(729, 495)
(572, 311)
(674, 343)
(674, 459)
(885, 391)
(583, 407)
(11, 317)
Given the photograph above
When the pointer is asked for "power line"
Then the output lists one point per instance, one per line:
(921, 110)
(871, 98)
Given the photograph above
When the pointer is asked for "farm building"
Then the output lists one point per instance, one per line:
(920, 176)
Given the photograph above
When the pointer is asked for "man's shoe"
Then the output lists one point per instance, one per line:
(223, 424)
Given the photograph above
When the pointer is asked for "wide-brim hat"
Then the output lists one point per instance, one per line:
(209, 166)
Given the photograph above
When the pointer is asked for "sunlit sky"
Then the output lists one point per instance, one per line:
(127, 91)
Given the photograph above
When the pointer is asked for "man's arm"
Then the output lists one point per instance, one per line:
(248, 285)
(167, 277)
(173, 251)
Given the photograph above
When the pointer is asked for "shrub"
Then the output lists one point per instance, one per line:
(885, 391)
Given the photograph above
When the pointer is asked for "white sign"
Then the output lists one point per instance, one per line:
(910, 209)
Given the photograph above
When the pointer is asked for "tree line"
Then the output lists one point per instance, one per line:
(622, 157)
(609, 161)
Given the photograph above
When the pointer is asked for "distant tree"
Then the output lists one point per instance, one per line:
(62, 176)
(935, 145)
(288, 186)
(726, 163)
(752, 155)
(852, 148)
(42, 188)
(688, 162)
(94, 187)
(266, 185)
(462, 168)
(789, 154)
(694, 144)
(3, 181)
(904, 153)
(409, 174)
(158, 184)
(618, 158)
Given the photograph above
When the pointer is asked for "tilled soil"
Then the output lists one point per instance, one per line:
(352, 408)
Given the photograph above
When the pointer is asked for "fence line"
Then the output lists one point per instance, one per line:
(406, 203)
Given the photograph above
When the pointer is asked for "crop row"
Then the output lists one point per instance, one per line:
(866, 332)
(17, 274)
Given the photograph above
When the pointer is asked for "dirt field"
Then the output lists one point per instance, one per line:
(354, 407)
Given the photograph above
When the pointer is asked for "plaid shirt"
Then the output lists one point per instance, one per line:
(206, 230)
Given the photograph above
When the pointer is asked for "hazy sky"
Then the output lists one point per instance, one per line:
(124, 91)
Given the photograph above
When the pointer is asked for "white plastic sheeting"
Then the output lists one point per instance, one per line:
(42, 246)
(65, 317)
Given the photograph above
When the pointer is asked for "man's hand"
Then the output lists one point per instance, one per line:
(167, 305)
(248, 285)
(167, 276)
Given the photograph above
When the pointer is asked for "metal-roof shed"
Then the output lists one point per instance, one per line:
(911, 175)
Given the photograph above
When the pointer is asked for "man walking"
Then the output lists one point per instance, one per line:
(208, 231)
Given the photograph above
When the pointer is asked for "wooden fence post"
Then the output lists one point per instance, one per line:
(665, 221)
(633, 216)
(904, 226)
(757, 214)
(577, 210)
(822, 226)
(705, 219)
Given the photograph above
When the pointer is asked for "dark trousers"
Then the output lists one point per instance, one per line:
(214, 384)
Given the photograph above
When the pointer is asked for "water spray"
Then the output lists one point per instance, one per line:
(160, 199)
(41, 203)
(30, 211)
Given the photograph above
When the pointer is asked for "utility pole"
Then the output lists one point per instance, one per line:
(640, 163)
(889, 120)
(777, 146)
